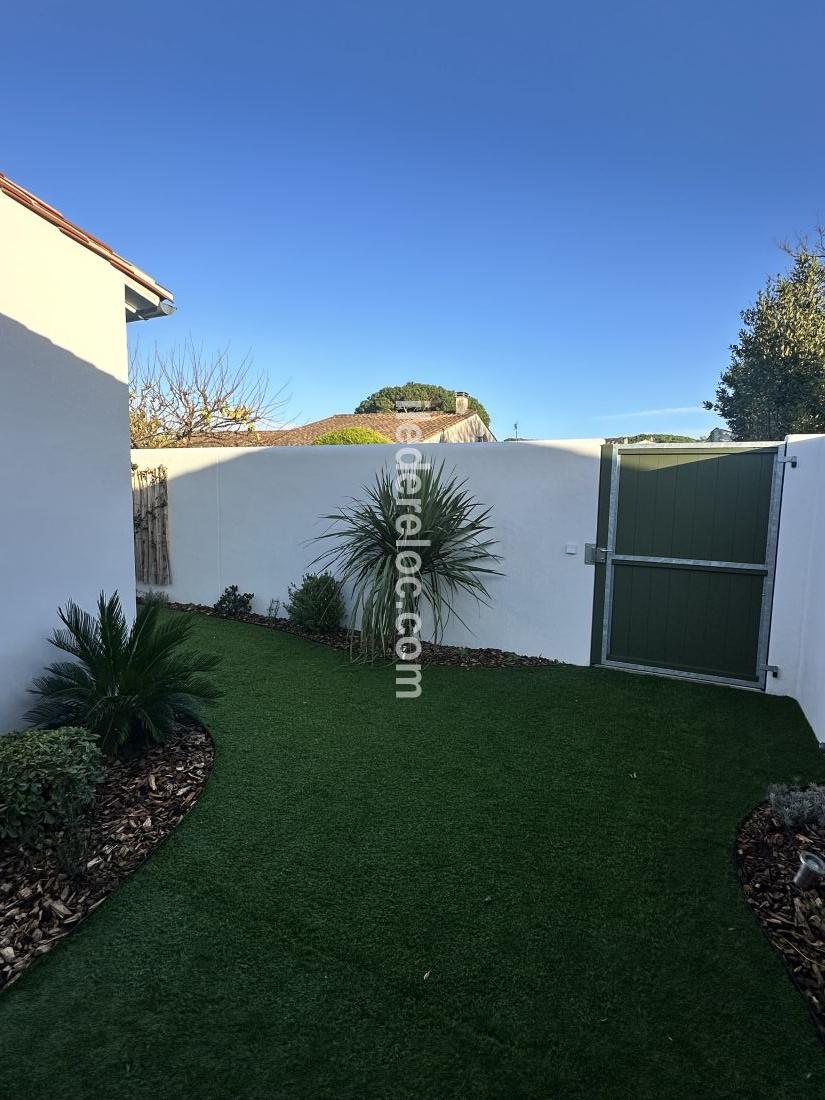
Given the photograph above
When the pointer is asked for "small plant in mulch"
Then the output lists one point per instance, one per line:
(233, 603)
(138, 802)
(769, 844)
(796, 807)
(152, 595)
(317, 603)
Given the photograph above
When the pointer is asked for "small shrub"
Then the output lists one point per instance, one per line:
(796, 806)
(127, 685)
(47, 780)
(316, 603)
(344, 436)
(234, 602)
(149, 595)
(274, 609)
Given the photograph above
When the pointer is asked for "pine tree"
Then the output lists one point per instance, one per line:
(775, 384)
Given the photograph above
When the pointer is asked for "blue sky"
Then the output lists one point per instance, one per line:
(560, 208)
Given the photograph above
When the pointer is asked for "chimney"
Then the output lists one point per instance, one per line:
(462, 402)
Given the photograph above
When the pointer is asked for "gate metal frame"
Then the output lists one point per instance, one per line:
(766, 569)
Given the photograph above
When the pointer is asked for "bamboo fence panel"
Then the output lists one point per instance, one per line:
(150, 512)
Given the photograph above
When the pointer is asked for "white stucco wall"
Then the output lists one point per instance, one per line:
(797, 644)
(247, 516)
(64, 441)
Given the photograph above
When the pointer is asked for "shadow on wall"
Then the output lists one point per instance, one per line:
(249, 516)
(64, 498)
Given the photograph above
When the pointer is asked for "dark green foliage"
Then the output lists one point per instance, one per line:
(153, 595)
(71, 844)
(47, 779)
(775, 384)
(347, 845)
(351, 435)
(656, 437)
(128, 686)
(440, 399)
(233, 602)
(456, 557)
(316, 603)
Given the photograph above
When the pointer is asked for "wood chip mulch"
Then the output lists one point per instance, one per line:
(767, 859)
(450, 655)
(139, 802)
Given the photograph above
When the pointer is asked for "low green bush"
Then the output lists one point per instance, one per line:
(342, 436)
(47, 779)
(152, 595)
(317, 603)
(233, 602)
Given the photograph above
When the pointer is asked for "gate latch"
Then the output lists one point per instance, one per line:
(593, 554)
(773, 669)
(790, 459)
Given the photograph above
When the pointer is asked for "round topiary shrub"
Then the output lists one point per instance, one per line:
(317, 603)
(351, 435)
(47, 778)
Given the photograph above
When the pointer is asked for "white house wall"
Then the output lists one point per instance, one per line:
(64, 441)
(248, 516)
(797, 645)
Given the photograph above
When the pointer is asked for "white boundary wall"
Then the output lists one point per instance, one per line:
(248, 516)
(797, 644)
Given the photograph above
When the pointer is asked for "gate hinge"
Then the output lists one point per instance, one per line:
(788, 458)
(773, 669)
(593, 554)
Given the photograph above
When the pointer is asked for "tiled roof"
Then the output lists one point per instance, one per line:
(241, 438)
(43, 210)
(432, 425)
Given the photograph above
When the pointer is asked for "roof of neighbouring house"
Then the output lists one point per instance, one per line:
(43, 210)
(432, 424)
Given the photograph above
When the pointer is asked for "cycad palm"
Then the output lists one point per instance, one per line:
(126, 685)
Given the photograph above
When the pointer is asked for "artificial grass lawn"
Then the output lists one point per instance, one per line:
(347, 845)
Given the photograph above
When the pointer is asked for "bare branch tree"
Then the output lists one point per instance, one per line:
(178, 394)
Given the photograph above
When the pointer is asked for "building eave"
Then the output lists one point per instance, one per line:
(144, 294)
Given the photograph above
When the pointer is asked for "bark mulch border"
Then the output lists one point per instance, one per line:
(767, 858)
(431, 654)
(137, 805)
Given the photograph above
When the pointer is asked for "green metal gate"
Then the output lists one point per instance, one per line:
(685, 559)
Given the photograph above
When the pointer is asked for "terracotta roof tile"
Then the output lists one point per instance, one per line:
(432, 425)
(94, 244)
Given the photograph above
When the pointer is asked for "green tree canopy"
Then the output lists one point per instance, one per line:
(653, 437)
(351, 435)
(775, 383)
(441, 399)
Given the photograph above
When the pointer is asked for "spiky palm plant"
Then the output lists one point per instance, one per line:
(456, 556)
(127, 685)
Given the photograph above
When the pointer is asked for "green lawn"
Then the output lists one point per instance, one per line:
(553, 846)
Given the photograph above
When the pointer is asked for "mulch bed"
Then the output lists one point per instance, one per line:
(453, 656)
(137, 805)
(793, 920)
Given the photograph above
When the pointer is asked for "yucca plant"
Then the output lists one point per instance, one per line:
(127, 685)
(456, 556)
